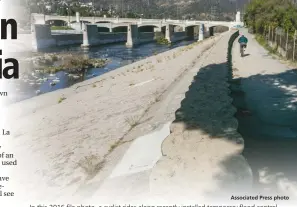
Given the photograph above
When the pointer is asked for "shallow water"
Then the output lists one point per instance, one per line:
(118, 54)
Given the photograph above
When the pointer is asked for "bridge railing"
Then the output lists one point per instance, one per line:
(105, 25)
(66, 32)
(139, 21)
(128, 20)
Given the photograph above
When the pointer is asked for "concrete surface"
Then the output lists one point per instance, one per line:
(143, 153)
(267, 101)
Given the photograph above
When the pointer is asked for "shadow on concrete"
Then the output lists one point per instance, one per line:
(245, 55)
(267, 118)
(207, 102)
(266, 111)
(207, 108)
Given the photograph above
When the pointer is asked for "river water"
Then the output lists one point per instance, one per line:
(118, 54)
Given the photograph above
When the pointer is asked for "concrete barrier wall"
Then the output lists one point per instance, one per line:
(41, 37)
(92, 37)
(144, 37)
(76, 26)
(68, 39)
(159, 35)
(91, 34)
(206, 34)
(177, 36)
(105, 38)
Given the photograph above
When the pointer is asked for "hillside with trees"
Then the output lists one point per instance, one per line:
(261, 14)
(174, 9)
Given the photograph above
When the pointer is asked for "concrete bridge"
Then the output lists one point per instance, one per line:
(90, 31)
(103, 21)
(89, 35)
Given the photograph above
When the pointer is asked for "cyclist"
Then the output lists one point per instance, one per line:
(242, 42)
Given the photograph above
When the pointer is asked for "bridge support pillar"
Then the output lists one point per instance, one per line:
(132, 35)
(201, 32)
(41, 37)
(69, 21)
(206, 32)
(169, 31)
(196, 32)
(90, 35)
(157, 29)
(85, 36)
(38, 19)
(211, 31)
(77, 17)
(237, 17)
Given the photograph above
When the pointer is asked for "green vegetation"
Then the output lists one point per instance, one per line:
(61, 99)
(163, 41)
(156, 9)
(61, 28)
(262, 41)
(69, 63)
(91, 164)
(113, 146)
(133, 121)
(133, 15)
(262, 14)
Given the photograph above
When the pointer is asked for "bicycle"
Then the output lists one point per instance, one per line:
(242, 49)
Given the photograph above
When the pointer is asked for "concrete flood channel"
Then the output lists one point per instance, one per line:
(118, 54)
(268, 126)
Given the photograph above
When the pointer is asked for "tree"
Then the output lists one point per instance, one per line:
(274, 13)
(132, 15)
(62, 11)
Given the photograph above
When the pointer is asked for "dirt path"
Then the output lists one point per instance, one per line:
(266, 95)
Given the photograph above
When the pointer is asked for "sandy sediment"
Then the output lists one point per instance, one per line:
(64, 138)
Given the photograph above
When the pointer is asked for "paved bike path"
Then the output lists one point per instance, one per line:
(267, 117)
